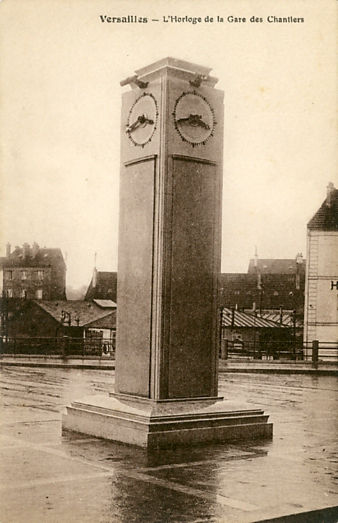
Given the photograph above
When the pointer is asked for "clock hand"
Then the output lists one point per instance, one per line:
(195, 120)
(147, 121)
(141, 120)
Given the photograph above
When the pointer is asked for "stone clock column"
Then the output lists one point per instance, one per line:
(169, 237)
(169, 263)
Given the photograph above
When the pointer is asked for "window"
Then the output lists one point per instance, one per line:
(24, 275)
(9, 293)
(9, 275)
(276, 293)
(23, 293)
(38, 294)
(40, 275)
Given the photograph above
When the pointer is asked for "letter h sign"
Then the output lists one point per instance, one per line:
(334, 285)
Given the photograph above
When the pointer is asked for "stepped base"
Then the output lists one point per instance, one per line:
(160, 424)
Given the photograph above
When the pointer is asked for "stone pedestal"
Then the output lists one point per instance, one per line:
(164, 424)
(169, 263)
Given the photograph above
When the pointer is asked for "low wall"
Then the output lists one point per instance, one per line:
(88, 362)
(233, 365)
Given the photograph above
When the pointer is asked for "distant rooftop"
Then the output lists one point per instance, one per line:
(326, 218)
(81, 312)
(103, 286)
(34, 256)
(277, 266)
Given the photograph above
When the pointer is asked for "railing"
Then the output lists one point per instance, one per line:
(280, 350)
(59, 346)
(324, 351)
(97, 347)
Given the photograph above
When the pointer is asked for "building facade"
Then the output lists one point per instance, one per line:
(33, 273)
(269, 284)
(321, 290)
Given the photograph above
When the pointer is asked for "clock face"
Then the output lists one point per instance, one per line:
(194, 118)
(142, 119)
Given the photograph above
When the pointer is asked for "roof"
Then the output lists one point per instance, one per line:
(104, 288)
(276, 266)
(107, 322)
(104, 304)
(45, 257)
(287, 318)
(326, 218)
(81, 312)
(237, 319)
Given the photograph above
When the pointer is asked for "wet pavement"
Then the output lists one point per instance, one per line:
(50, 477)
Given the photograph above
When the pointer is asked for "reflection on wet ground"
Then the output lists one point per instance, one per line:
(47, 476)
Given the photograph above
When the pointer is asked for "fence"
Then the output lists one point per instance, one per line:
(283, 350)
(58, 346)
(98, 347)
(321, 351)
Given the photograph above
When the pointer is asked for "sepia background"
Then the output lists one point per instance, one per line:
(60, 94)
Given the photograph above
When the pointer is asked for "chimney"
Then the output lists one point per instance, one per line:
(25, 250)
(8, 250)
(299, 261)
(256, 257)
(329, 194)
(299, 258)
(94, 277)
(35, 249)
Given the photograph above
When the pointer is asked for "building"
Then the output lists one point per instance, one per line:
(277, 266)
(239, 326)
(33, 273)
(321, 292)
(44, 323)
(103, 286)
(104, 327)
(247, 334)
(269, 284)
(46, 318)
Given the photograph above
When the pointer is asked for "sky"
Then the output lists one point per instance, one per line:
(60, 90)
